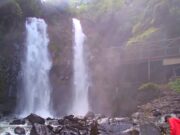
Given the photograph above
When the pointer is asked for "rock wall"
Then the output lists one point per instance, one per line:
(60, 33)
(12, 41)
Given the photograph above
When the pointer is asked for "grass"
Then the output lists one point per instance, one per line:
(148, 86)
(175, 85)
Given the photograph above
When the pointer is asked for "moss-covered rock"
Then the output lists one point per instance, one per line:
(175, 85)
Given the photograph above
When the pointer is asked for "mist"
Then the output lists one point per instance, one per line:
(114, 66)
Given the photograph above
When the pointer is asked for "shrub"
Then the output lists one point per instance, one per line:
(30, 7)
(148, 92)
(175, 85)
(149, 86)
(10, 12)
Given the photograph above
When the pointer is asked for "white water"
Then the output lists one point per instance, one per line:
(80, 80)
(5, 128)
(36, 67)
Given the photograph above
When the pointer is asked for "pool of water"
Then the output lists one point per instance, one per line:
(6, 129)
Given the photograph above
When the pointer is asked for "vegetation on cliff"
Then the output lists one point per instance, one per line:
(13, 14)
(12, 38)
(111, 26)
(145, 20)
(175, 85)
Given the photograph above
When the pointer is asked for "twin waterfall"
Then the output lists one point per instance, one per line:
(36, 67)
(80, 103)
(36, 95)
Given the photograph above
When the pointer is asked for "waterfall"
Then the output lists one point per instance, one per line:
(35, 68)
(80, 79)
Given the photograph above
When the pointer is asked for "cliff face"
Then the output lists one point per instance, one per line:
(11, 46)
(60, 34)
(129, 22)
(109, 25)
(12, 42)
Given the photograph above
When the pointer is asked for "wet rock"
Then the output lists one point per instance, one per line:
(33, 118)
(131, 131)
(53, 122)
(18, 122)
(39, 129)
(156, 113)
(70, 117)
(99, 116)
(7, 133)
(114, 126)
(166, 117)
(1, 115)
(176, 111)
(134, 132)
(136, 115)
(19, 131)
(61, 121)
(49, 118)
(50, 127)
(94, 128)
(90, 125)
(58, 129)
(149, 129)
(90, 115)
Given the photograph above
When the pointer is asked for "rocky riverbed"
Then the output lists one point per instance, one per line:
(91, 124)
(148, 120)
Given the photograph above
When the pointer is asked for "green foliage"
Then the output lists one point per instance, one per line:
(30, 7)
(103, 6)
(142, 36)
(100, 7)
(136, 28)
(175, 85)
(16, 9)
(10, 13)
(80, 9)
(148, 86)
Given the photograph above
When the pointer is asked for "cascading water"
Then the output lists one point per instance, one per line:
(35, 69)
(80, 80)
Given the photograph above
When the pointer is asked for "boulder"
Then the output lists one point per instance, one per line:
(58, 129)
(50, 127)
(61, 121)
(39, 129)
(115, 126)
(131, 131)
(156, 113)
(176, 112)
(7, 133)
(33, 118)
(90, 115)
(149, 129)
(49, 118)
(19, 131)
(53, 122)
(94, 128)
(69, 117)
(18, 122)
(1, 115)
